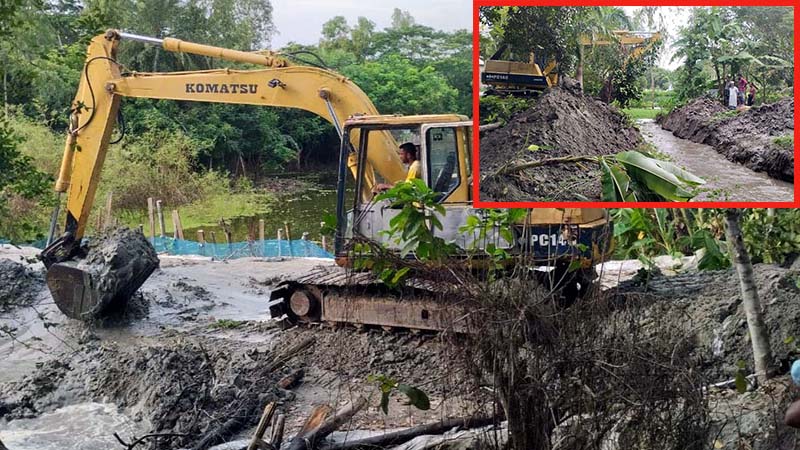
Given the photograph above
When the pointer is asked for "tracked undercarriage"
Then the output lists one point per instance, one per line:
(336, 295)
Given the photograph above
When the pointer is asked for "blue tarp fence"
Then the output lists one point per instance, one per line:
(271, 248)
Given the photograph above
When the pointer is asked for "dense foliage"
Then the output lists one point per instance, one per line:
(720, 43)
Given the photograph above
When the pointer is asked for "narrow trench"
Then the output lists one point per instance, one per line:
(725, 180)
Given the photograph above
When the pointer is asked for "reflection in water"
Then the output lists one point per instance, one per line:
(303, 210)
(85, 426)
(725, 180)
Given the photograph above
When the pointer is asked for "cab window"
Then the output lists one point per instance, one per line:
(444, 175)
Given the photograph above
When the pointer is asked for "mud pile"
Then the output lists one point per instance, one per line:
(19, 285)
(746, 138)
(706, 309)
(709, 305)
(563, 122)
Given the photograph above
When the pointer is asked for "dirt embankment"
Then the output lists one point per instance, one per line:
(706, 309)
(757, 138)
(563, 122)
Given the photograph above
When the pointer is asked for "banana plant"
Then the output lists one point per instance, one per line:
(632, 176)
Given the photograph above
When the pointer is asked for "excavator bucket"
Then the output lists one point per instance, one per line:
(82, 295)
(115, 266)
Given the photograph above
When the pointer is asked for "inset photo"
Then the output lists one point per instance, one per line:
(635, 104)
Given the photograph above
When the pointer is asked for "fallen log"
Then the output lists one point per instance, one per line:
(276, 433)
(221, 434)
(490, 126)
(308, 438)
(401, 436)
(291, 379)
(289, 353)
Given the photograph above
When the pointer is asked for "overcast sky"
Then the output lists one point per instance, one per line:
(301, 20)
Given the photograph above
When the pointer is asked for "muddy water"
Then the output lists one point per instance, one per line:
(84, 426)
(726, 180)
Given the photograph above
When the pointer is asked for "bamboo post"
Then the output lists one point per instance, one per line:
(279, 242)
(107, 223)
(261, 235)
(288, 230)
(266, 418)
(201, 238)
(214, 243)
(304, 238)
(176, 221)
(324, 243)
(151, 210)
(160, 212)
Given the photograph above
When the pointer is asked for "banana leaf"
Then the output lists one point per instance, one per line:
(615, 182)
(663, 178)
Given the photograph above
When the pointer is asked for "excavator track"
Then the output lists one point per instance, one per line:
(335, 296)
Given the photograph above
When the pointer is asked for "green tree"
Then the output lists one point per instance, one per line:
(401, 19)
(396, 86)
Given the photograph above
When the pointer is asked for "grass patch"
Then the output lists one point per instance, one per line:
(785, 141)
(227, 324)
(641, 113)
(723, 115)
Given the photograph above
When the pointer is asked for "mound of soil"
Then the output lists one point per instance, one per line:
(708, 304)
(746, 138)
(563, 122)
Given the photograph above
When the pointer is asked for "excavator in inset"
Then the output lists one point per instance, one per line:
(556, 239)
(505, 77)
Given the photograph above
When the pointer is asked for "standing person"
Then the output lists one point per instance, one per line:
(751, 95)
(733, 96)
(742, 89)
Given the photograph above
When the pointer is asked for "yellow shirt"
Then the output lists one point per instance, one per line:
(413, 171)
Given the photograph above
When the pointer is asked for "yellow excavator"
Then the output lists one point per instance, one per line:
(555, 238)
(504, 77)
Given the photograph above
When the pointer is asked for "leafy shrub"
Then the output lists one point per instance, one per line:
(500, 109)
(162, 165)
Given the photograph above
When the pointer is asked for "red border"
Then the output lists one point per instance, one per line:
(476, 119)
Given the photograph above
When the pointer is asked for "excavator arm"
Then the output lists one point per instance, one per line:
(94, 112)
(103, 84)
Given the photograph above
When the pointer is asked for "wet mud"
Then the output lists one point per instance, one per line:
(563, 122)
(747, 138)
(201, 357)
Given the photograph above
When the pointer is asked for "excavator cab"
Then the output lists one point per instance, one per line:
(442, 143)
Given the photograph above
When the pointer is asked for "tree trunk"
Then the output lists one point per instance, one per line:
(759, 334)
(653, 87)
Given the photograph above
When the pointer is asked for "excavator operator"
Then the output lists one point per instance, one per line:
(408, 155)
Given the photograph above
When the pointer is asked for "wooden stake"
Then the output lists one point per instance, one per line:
(107, 223)
(151, 211)
(261, 230)
(213, 238)
(161, 226)
(276, 432)
(201, 238)
(280, 251)
(288, 230)
(141, 227)
(324, 243)
(266, 417)
(176, 221)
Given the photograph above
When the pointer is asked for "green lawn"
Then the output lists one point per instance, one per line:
(641, 113)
